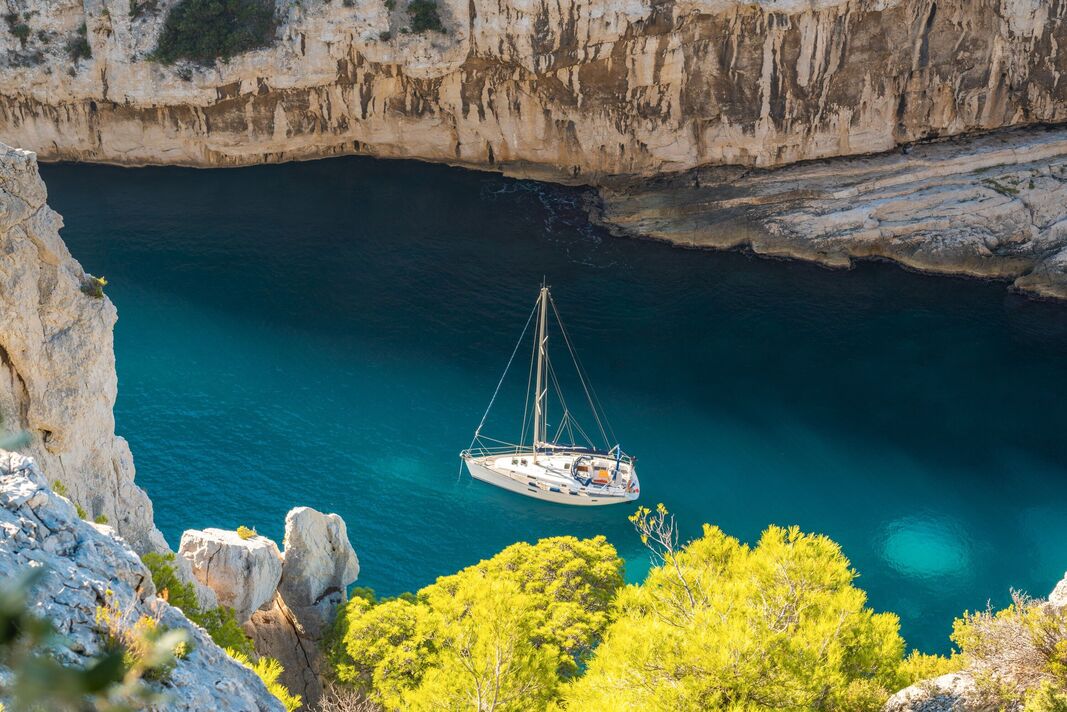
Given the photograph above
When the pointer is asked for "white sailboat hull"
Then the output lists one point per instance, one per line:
(537, 488)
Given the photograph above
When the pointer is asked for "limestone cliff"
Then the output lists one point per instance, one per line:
(86, 565)
(57, 363)
(567, 90)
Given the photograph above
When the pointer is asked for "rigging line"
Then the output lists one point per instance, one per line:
(492, 400)
(571, 420)
(590, 393)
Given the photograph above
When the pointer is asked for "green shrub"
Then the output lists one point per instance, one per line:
(510, 628)
(78, 48)
(722, 625)
(424, 16)
(219, 623)
(142, 7)
(202, 31)
(100, 519)
(94, 286)
(246, 533)
(22, 32)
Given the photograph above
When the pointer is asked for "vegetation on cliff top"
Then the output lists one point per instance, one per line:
(716, 625)
(202, 31)
(424, 16)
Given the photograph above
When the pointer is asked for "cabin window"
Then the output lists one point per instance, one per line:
(566, 465)
(514, 461)
(524, 463)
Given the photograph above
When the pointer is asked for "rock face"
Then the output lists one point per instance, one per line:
(319, 564)
(57, 363)
(83, 561)
(994, 206)
(568, 90)
(954, 692)
(302, 588)
(243, 573)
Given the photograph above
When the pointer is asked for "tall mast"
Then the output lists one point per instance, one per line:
(540, 403)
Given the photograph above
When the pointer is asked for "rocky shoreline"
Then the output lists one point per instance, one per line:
(992, 206)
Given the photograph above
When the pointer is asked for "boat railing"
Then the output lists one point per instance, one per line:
(546, 448)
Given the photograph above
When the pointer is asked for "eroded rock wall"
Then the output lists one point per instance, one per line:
(57, 361)
(567, 90)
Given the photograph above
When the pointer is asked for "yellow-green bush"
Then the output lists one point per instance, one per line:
(508, 630)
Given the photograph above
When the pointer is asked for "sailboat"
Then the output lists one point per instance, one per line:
(553, 466)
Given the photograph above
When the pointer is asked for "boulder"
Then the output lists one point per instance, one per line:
(1058, 597)
(243, 573)
(319, 565)
(954, 692)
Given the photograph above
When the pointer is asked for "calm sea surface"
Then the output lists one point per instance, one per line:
(329, 333)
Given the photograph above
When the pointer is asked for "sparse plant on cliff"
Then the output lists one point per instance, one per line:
(149, 650)
(78, 48)
(205, 30)
(142, 7)
(94, 286)
(1018, 656)
(245, 533)
(61, 489)
(220, 623)
(38, 681)
(269, 670)
(424, 16)
(100, 519)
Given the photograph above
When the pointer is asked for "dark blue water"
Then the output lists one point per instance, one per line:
(328, 334)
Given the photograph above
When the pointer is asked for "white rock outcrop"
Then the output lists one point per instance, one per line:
(287, 601)
(243, 573)
(954, 692)
(57, 361)
(82, 562)
(319, 564)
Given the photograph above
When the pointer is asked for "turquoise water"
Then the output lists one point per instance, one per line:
(328, 334)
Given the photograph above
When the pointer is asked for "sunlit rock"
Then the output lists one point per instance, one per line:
(243, 573)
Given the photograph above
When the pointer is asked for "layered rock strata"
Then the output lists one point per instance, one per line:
(993, 206)
(87, 565)
(567, 91)
(57, 359)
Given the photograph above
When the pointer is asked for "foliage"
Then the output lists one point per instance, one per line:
(1018, 655)
(921, 666)
(22, 32)
(424, 16)
(506, 630)
(149, 650)
(61, 489)
(341, 698)
(100, 519)
(93, 286)
(219, 623)
(142, 7)
(720, 625)
(246, 533)
(205, 30)
(78, 48)
(269, 670)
